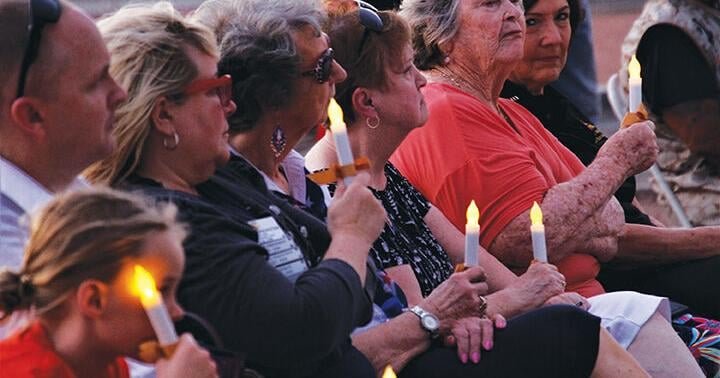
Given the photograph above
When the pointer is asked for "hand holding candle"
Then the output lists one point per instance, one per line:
(144, 287)
(472, 235)
(340, 137)
(537, 230)
(634, 86)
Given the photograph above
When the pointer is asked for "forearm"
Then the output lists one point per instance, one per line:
(352, 250)
(395, 342)
(567, 209)
(648, 244)
(506, 304)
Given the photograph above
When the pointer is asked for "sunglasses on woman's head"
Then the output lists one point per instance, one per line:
(222, 85)
(369, 19)
(40, 13)
(323, 68)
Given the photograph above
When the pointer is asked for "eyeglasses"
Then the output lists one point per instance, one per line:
(222, 85)
(370, 19)
(323, 67)
(40, 13)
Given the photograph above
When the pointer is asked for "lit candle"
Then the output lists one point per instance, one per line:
(472, 235)
(634, 85)
(537, 230)
(340, 137)
(144, 287)
(388, 372)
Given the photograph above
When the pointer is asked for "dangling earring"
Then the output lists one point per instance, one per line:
(278, 141)
(373, 124)
(175, 141)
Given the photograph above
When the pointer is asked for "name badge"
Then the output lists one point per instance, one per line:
(283, 253)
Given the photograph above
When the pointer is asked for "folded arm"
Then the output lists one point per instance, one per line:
(581, 214)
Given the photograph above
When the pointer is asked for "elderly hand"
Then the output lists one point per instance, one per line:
(539, 283)
(608, 224)
(633, 148)
(569, 298)
(470, 334)
(189, 361)
(458, 297)
(356, 212)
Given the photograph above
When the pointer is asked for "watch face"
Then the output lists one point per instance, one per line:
(430, 322)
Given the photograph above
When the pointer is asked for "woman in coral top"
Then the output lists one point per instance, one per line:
(476, 146)
(76, 277)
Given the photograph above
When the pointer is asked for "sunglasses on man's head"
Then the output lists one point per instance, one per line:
(222, 85)
(40, 13)
(323, 68)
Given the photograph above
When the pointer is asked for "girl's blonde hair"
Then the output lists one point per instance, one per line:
(81, 235)
(148, 46)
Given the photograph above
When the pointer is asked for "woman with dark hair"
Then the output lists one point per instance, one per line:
(284, 75)
(681, 263)
(672, 262)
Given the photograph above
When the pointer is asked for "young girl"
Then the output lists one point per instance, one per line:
(76, 279)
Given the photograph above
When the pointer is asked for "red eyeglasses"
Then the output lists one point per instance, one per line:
(222, 85)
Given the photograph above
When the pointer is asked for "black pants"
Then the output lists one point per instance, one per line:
(556, 341)
(692, 283)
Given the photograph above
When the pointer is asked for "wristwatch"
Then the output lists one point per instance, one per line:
(428, 321)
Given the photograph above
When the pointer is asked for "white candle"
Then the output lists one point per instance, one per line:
(144, 287)
(340, 137)
(634, 85)
(472, 235)
(537, 230)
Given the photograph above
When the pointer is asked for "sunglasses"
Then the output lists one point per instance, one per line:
(370, 20)
(222, 85)
(40, 13)
(323, 67)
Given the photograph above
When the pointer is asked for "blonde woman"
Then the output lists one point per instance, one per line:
(171, 135)
(173, 127)
(75, 275)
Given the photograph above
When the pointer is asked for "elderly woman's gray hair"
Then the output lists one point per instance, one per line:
(258, 50)
(433, 22)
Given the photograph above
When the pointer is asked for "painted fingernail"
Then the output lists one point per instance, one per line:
(488, 345)
(463, 358)
(476, 357)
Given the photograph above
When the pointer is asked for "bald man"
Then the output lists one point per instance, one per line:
(57, 101)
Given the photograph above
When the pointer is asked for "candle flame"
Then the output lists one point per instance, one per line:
(473, 214)
(143, 286)
(335, 113)
(536, 216)
(634, 68)
(388, 372)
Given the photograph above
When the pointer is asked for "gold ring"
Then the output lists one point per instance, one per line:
(483, 306)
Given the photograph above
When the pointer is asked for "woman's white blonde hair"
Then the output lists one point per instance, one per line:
(148, 46)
